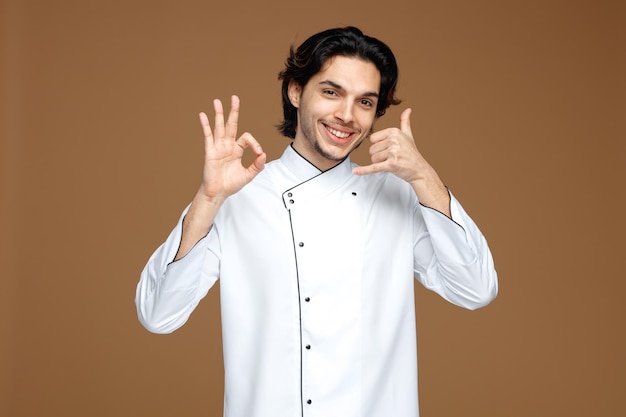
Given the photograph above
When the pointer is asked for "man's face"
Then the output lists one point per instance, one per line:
(336, 110)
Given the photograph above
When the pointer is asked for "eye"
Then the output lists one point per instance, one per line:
(329, 92)
(367, 103)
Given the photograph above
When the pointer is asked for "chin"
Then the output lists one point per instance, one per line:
(334, 153)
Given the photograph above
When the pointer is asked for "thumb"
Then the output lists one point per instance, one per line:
(259, 161)
(405, 122)
(258, 164)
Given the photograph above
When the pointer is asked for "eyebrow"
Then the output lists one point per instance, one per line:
(338, 87)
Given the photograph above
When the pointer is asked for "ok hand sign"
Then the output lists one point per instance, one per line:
(223, 172)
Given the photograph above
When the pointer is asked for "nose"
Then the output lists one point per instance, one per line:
(345, 111)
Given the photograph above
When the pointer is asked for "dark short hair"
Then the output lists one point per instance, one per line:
(306, 61)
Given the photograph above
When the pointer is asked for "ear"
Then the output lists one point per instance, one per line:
(294, 91)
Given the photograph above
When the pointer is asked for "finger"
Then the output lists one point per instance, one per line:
(405, 122)
(369, 169)
(219, 130)
(378, 136)
(379, 157)
(206, 127)
(258, 164)
(248, 141)
(378, 147)
(384, 134)
(233, 117)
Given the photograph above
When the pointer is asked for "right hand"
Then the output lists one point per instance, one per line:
(223, 172)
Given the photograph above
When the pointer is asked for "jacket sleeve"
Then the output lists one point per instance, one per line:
(168, 291)
(453, 259)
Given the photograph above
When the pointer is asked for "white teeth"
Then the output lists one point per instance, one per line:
(337, 133)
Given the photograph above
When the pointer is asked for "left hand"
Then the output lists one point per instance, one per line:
(394, 150)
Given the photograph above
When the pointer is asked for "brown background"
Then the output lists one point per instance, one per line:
(519, 105)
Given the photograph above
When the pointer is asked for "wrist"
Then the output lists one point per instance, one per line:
(206, 201)
(433, 193)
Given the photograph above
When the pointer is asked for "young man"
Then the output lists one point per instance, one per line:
(317, 256)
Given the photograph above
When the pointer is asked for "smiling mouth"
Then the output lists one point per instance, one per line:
(342, 136)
